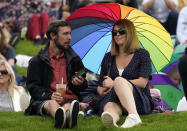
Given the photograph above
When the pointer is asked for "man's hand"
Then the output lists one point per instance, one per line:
(2, 57)
(77, 81)
(57, 97)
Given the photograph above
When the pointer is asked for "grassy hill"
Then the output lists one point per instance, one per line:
(16, 121)
(26, 47)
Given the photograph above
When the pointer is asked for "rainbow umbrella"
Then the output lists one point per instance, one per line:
(91, 34)
(173, 62)
(171, 94)
(180, 48)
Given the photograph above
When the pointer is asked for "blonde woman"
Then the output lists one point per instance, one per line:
(124, 77)
(12, 97)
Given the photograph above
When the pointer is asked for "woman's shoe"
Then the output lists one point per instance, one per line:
(131, 120)
(108, 120)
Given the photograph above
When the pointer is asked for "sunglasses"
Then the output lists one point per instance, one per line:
(3, 72)
(121, 32)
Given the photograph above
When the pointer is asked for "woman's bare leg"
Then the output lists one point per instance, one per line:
(114, 109)
(124, 91)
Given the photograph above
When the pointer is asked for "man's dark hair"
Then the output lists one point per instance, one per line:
(54, 26)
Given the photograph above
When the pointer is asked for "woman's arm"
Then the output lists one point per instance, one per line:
(140, 82)
(103, 91)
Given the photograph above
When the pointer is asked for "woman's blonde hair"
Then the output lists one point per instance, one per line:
(4, 40)
(132, 44)
(12, 81)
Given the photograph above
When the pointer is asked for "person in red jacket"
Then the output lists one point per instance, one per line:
(37, 28)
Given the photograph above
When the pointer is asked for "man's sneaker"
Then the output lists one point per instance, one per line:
(60, 118)
(73, 114)
(131, 120)
(37, 42)
(45, 41)
(107, 120)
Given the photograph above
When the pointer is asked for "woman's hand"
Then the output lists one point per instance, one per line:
(108, 82)
(103, 91)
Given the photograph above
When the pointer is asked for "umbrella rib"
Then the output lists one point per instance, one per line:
(142, 22)
(152, 62)
(95, 31)
(157, 48)
(155, 35)
(113, 13)
(148, 30)
(103, 56)
(92, 46)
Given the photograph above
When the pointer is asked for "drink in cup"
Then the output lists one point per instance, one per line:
(61, 88)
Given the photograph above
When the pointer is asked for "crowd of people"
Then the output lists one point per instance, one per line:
(123, 87)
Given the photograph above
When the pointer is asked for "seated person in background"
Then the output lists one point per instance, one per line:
(46, 70)
(63, 11)
(6, 51)
(181, 4)
(165, 11)
(124, 83)
(12, 97)
(84, 3)
(15, 32)
(183, 71)
(37, 27)
(131, 3)
(182, 26)
(174, 75)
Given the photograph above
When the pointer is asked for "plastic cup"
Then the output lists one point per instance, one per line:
(61, 88)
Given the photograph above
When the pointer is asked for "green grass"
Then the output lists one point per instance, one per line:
(26, 47)
(11, 121)
(16, 121)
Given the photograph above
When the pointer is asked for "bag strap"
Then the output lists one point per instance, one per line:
(110, 66)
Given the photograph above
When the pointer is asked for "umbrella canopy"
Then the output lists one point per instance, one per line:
(180, 48)
(173, 62)
(170, 93)
(91, 34)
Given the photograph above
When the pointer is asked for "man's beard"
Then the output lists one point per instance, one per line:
(61, 47)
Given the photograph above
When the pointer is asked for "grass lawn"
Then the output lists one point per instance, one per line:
(16, 121)
(26, 47)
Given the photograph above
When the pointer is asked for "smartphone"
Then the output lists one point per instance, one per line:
(82, 72)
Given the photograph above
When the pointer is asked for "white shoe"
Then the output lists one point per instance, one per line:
(131, 120)
(107, 120)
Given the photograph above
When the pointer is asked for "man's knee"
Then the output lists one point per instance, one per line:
(50, 104)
